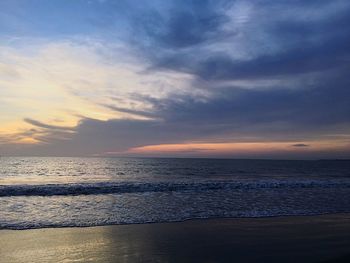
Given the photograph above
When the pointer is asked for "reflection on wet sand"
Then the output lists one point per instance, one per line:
(297, 239)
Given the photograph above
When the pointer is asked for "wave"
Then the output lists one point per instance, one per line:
(138, 187)
(29, 225)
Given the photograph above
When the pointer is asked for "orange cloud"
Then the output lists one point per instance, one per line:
(240, 147)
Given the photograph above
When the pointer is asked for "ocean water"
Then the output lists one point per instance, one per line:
(57, 192)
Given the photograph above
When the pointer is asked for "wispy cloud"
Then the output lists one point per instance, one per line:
(47, 126)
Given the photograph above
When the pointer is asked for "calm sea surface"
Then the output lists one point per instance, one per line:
(57, 192)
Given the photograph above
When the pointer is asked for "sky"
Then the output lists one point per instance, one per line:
(200, 78)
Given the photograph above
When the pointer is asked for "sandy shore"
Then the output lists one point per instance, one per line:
(280, 239)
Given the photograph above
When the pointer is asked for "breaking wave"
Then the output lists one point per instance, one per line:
(138, 187)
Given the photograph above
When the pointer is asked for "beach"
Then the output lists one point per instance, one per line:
(173, 210)
(324, 238)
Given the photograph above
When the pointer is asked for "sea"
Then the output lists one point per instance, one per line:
(40, 192)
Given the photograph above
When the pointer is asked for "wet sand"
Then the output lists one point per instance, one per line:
(279, 239)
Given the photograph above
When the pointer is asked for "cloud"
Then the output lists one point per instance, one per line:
(47, 126)
(231, 116)
(180, 72)
(76, 77)
(266, 45)
(184, 24)
(300, 145)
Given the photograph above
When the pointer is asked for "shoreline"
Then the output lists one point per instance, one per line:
(180, 221)
(316, 238)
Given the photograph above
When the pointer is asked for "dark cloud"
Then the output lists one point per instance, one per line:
(130, 111)
(47, 126)
(186, 24)
(320, 104)
(298, 61)
(300, 145)
(301, 46)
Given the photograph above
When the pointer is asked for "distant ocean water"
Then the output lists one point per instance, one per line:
(56, 192)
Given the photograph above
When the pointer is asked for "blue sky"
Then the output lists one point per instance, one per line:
(242, 79)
